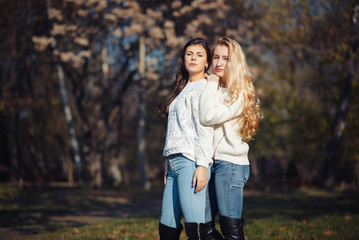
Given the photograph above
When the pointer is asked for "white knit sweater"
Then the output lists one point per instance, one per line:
(227, 145)
(185, 134)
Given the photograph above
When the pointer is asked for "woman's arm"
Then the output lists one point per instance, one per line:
(212, 110)
(203, 135)
(203, 150)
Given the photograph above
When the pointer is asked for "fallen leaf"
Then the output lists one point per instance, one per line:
(282, 228)
(111, 236)
(329, 233)
(140, 235)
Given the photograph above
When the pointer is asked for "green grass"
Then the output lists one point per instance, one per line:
(37, 213)
(129, 228)
(303, 215)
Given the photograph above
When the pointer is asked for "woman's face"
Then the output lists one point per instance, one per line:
(195, 59)
(220, 59)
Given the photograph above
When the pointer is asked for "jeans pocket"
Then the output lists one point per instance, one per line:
(223, 170)
(240, 175)
(245, 173)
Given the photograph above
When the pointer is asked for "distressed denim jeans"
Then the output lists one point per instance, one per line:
(179, 197)
(229, 180)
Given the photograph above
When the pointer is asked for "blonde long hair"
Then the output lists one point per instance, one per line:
(240, 81)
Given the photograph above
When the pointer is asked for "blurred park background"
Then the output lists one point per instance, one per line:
(82, 81)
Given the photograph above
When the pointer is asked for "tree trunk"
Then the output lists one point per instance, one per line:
(142, 158)
(329, 173)
(70, 124)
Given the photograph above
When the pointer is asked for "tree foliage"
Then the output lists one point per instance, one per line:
(303, 55)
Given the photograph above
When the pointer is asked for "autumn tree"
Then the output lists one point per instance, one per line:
(82, 82)
(306, 81)
(86, 34)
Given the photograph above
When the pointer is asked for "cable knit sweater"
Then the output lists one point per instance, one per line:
(227, 145)
(185, 134)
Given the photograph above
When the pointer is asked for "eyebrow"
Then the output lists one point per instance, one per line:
(192, 52)
(219, 55)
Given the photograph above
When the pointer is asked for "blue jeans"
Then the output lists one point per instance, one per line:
(180, 198)
(229, 181)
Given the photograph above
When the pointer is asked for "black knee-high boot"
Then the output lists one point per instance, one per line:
(169, 233)
(232, 228)
(216, 234)
(201, 231)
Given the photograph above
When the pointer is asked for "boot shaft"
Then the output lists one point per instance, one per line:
(232, 228)
(196, 231)
(169, 233)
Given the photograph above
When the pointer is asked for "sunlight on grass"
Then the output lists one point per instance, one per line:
(329, 227)
(36, 213)
(132, 228)
(7, 194)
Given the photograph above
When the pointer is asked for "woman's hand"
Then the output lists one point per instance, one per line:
(165, 178)
(200, 178)
(211, 77)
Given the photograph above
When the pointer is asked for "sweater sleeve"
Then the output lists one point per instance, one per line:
(212, 110)
(203, 150)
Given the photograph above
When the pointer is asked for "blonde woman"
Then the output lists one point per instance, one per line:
(228, 102)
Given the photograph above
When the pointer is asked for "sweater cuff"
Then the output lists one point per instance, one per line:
(203, 163)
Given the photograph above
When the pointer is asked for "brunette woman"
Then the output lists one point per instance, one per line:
(188, 149)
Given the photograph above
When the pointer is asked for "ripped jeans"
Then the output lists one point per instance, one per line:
(229, 181)
(179, 197)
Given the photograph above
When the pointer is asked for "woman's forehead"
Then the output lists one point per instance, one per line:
(195, 48)
(221, 50)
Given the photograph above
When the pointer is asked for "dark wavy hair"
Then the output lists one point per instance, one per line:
(182, 74)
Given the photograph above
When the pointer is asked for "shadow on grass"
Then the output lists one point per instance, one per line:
(36, 209)
(32, 210)
(300, 205)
